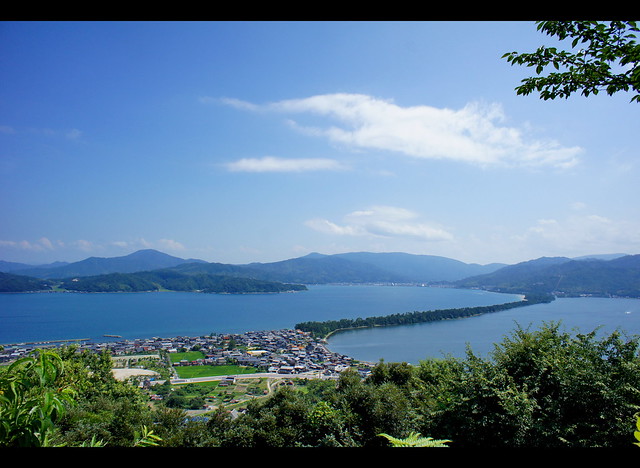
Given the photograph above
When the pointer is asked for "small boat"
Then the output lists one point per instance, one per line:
(113, 336)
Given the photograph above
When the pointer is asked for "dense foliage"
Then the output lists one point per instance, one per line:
(543, 388)
(173, 281)
(607, 58)
(19, 283)
(322, 329)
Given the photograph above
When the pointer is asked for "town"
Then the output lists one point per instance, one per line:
(284, 351)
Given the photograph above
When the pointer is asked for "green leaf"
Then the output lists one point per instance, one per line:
(415, 439)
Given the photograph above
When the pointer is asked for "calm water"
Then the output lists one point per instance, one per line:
(62, 316)
(55, 316)
(413, 343)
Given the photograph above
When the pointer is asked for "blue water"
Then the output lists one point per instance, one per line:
(62, 316)
(67, 316)
(413, 343)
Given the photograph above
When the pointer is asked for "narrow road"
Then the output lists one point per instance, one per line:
(268, 375)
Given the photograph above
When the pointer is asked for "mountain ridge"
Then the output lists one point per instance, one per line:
(562, 276)
(355, 267)
(140, 260)
(607, 274)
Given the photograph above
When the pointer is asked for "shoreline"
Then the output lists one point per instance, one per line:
(99, 339)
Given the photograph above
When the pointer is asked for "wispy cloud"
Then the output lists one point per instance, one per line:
(170, 244)
(86, 246)
(382, 221)
(41, 244)
(583, 234)
(474, 134)
(71, 134)
(273, 164)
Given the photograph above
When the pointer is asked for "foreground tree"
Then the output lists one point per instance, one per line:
(65, 398)
(607, 60)
(538, 389)
(545, 388)
(106, 409)
(33, 397)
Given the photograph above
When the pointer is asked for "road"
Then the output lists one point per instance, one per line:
(269, 375)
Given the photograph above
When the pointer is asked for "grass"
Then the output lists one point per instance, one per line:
(189, 356)
(188, 372)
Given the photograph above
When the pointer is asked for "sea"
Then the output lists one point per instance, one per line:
(36, 317)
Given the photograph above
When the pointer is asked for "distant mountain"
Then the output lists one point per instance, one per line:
(614, 274)
(520, 272)
(421, 268)
(217, 269)
(358, 267)
(314, 269)
(325, 269)
(8, 267)
(564, 277)
(141, 260)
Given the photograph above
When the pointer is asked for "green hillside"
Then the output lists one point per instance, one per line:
(19, 283)
(172, 281)
(565, 277)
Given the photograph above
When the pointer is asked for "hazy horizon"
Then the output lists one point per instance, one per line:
(62, 261)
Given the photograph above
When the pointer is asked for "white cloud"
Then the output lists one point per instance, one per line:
(326, 226)
(273, 164)
(42, 244)
(382, 221)
(474, 134)
(46, 243)
(170, 244)
(84, 245)
(237, 103)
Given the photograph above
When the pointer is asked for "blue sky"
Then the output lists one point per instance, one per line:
(237, 142)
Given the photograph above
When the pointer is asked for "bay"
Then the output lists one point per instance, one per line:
(65, 316)
(36, 317)
(413, 343)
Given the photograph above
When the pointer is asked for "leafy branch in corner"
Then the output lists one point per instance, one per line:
(608, 59)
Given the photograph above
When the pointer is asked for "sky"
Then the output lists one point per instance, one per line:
(239, 142)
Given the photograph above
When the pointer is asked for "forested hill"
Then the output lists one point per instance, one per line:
(564, 277)
(19, 283)
(158, 280)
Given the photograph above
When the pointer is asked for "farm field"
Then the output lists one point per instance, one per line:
(189, 372)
